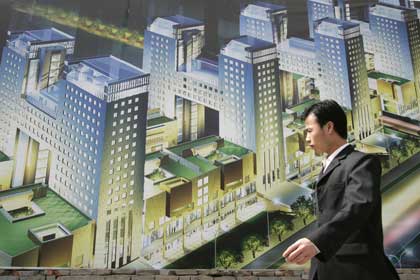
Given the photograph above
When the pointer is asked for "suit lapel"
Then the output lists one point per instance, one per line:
(336, 162)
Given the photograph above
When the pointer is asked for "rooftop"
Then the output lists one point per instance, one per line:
(3, 157)
(180, 170)
(396, 7)
(230, 148)
(300, 108)
(262, 10)
(270, 6)
(167, 26)
(343, 24)
(41, 36)
(323, 1)
(14, 236)
(196, 143)
(287, 193)
(113, 68)
(382, 140)
(393, 12)
(22, 41)
(299, 47)
(46, 35)
(204, 164)
(382, 76)
(252, 44)
(154, 155)
(159, 175)
(158, 121)
(182, 21)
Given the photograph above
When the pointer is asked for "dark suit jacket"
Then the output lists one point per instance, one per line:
(349, 226)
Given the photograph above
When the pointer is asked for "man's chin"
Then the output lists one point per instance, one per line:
(318, 153)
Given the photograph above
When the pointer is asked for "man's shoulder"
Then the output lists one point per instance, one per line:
(357, 156)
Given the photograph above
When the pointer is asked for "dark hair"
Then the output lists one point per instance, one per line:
(329, 110)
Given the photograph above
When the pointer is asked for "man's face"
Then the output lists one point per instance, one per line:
(316, 136)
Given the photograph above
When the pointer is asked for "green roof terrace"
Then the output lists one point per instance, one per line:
(227, 147)
(14, 238)
(230, 148)
(3, 157)
(193, 144)
(204, 164)
(169, 168)
(154, 155)
(300, 108)
(157, 121)
(192, 164)
(381, 76)
(180, 170)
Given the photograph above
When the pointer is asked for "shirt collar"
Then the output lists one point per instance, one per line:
(334, 154)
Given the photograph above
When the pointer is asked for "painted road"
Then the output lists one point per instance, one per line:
(400, 208)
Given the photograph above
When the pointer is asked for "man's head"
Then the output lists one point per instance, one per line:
(326, 126)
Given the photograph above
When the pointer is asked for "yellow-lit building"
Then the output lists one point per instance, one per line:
(40, 229)
(375, 101)
(6, 171)
(161, 133)
(397, 95)
(193, 193)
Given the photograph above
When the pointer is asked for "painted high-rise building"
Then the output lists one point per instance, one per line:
(120, 91)
(226, 89)
(252, 115)
(184, 85)
(264, 21)
(298, 56)
(396, 31)
(81, 127)
(403, 3)
(318, 9)
(30, 61)
(343, 75)
(170, 45)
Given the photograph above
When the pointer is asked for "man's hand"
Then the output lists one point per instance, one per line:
(301, 251)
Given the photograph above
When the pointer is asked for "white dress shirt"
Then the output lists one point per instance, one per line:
(331, 157)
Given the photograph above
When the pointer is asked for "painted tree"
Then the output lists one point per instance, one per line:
(412, 146)
(252, 243)
(303, 208)
(397, 154)
(226, 259)
(281, 226)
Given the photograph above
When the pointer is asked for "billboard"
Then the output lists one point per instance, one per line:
(170, 134)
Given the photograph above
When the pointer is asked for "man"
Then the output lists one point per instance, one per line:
(348, 241)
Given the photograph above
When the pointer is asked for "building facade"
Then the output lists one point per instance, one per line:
(396, 31)
(252, 115)
(343, 75)
(161, 132)
(46, 230)
(264, 21)
(319, 9)
(81, 127)
(241, 89)
(195, 192)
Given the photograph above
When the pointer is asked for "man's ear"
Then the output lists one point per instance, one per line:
(330, 127)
